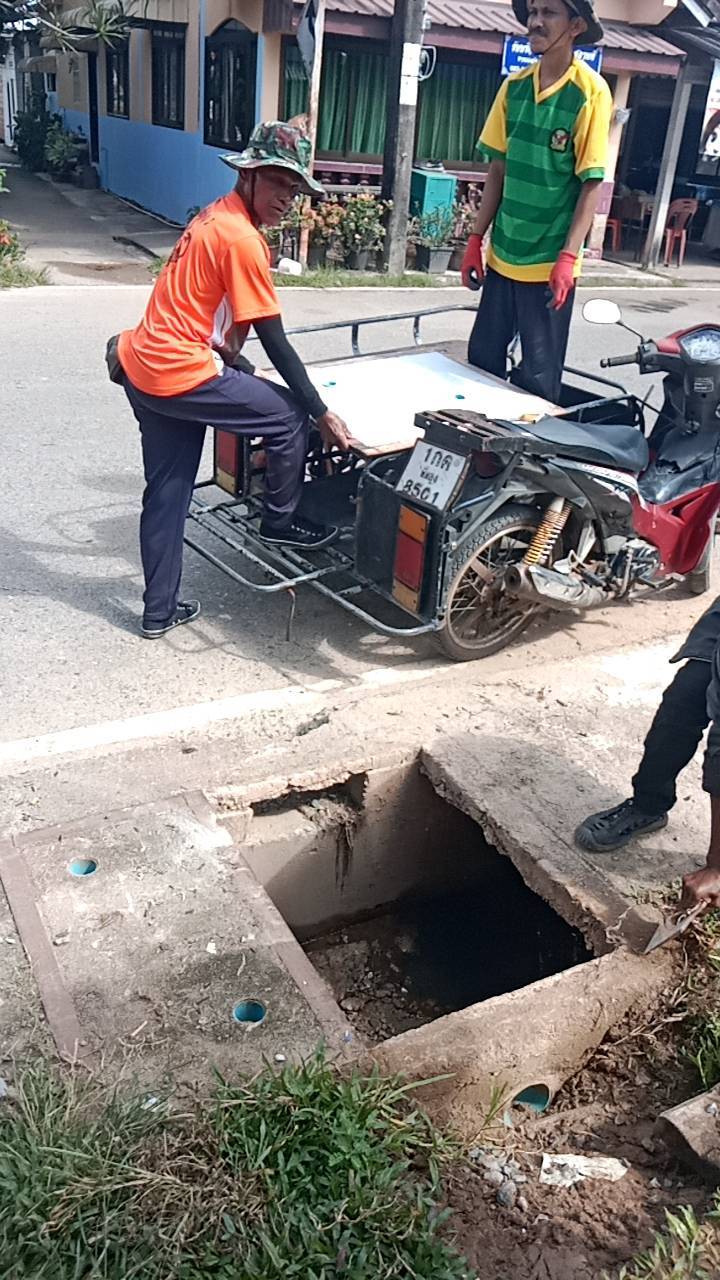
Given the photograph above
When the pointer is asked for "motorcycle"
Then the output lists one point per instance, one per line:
(590, 511)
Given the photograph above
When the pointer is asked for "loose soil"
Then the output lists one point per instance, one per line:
(591, 1229)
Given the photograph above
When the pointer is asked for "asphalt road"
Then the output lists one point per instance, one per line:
(70, 583)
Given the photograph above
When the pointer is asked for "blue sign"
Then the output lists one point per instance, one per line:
(517, 55)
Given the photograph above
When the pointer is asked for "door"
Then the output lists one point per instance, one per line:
(9, 96)
(93, 107)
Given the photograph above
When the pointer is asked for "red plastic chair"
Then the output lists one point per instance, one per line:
(680, 215)
(614, 226)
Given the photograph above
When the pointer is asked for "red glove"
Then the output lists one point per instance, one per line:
(473, 267)
(562, 278)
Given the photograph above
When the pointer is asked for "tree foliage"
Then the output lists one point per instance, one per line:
(104, 20)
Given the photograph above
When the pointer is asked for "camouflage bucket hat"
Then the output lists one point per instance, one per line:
(278, 145)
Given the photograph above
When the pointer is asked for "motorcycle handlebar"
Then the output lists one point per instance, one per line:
(612, 362)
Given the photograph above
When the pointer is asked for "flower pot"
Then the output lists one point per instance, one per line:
(436, 261)
(274, 254)
(317, 256)
(358, 259)
(456, 258)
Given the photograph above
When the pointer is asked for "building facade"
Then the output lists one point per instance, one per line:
(195, 75)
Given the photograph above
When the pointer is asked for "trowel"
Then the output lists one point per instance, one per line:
(670, 929)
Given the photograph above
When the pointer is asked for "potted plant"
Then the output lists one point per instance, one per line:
(62, 152)
(432, 234)
(324, 223)
(272, 236)
(31, 130)
(464, 214)
(362, 230)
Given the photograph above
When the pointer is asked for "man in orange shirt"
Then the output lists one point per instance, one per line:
(183, 369)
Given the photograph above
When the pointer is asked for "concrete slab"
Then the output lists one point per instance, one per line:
(539, 1035)
(487, 780)
(691, 1131)
(157, 946)
(23, 1027)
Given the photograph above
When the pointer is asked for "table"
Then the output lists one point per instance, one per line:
(379, 395)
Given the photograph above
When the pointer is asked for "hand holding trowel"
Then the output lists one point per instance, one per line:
(670, 929)
(701, 891)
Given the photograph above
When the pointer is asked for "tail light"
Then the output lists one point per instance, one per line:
(228, 462)
(409, 564)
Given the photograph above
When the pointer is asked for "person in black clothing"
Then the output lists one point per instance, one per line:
(675, 733)
(704, 885)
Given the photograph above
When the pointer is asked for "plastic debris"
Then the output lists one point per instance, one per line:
(566, 1170)
(211, 948)
(3, 1089)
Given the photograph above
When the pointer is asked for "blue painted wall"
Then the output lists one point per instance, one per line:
(167, 171)
(76, 121)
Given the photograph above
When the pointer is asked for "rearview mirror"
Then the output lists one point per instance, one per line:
(602, 311)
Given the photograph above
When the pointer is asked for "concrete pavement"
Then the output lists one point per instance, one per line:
(80, 236)
(94, 237)
(71, 582)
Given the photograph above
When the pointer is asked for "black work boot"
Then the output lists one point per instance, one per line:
(614, 828)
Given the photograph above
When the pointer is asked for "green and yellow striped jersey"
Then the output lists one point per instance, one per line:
(552, 141)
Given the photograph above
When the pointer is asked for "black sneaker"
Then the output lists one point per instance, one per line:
(301, 533)
(614, 828)
(185, 611)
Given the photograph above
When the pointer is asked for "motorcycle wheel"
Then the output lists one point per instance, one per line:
(477, 623)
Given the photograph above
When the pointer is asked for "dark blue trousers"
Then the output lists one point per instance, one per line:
(511, 307)
(172, 430)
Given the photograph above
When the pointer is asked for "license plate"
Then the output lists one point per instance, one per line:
(433, 475)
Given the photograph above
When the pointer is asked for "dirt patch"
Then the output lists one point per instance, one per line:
(591, 1229)
(103, 272)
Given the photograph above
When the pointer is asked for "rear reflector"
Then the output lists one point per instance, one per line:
(410, 558)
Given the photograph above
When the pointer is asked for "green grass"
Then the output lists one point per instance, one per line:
(18, 275)
(296, 1175)
(703, 1048)
(329, 278)
(687, 1250)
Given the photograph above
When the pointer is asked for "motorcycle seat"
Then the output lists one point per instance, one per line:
(605, 444)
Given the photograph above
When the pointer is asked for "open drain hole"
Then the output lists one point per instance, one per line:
(535, 1099)
(249, 1012)
(83, 867)
(404, 908)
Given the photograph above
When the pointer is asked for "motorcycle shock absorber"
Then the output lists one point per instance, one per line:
(548, 532)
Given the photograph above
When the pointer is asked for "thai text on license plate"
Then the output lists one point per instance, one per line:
(432, 475)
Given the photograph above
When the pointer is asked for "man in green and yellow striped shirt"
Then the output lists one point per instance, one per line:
(546, 136)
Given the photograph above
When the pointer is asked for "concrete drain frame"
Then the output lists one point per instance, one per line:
(210, 932)
(336, 852)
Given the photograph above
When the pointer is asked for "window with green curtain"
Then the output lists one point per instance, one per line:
(453, 106)
(352, 102)
(295, 100)
(453, 103)
(352, 98)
